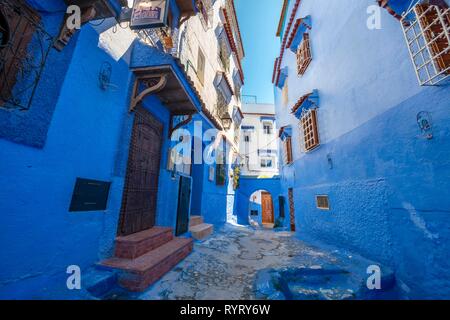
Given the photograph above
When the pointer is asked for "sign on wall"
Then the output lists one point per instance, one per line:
(149, 14)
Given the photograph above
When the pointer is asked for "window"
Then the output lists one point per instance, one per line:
(323, 202)
(267, 127)
(427, 32)
(17, 26)
(224, 54)
(247, 138)
(287, 144)
(285, 93)
(310, 130)
(303, 55)
(201, 66)
(266, 163)
(220, 165)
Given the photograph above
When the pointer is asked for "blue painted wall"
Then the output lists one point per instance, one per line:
(388, 185)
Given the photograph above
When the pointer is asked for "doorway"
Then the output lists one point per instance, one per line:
(267, 208)
(291, 208)
(139, 198)
(184, 202)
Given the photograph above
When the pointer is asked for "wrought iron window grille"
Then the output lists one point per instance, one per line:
(25, 46)
(426, 29)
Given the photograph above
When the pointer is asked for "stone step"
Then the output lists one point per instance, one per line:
(138, 274)
(195, 220)
(201, 231)
(135, 245)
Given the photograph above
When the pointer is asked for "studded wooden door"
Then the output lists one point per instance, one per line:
(267, 208)
(138, 211)
(291, 208)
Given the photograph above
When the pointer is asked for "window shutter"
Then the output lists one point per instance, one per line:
(310, 130)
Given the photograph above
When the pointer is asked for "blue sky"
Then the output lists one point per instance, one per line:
(258, 20)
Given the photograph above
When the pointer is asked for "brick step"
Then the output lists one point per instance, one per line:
(195, 220)
(135, 245)
(138, 274)
(201, 231)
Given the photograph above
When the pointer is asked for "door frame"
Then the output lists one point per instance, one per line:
(263, 194)
(119, 231)
(183, 176)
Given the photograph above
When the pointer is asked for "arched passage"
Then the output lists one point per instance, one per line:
(261, 209)
(244, 198)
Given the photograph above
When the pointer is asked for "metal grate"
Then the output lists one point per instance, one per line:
(323, 202)
(304, 55)
(426, 29)
(24, 48)
(310, 130)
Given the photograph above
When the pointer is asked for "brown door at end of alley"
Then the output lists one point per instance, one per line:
(267, 208)
(138, 211)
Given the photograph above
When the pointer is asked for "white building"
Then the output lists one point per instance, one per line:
(259, 140)
(211, 49)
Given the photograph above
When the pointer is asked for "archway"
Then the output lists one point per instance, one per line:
(261, 209)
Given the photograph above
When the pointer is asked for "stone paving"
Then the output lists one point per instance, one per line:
(224, 266)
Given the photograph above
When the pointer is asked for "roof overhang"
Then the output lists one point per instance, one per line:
(168, 87)
(308, 101)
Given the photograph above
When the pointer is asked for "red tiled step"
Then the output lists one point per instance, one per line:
(135, 245)
(143, 271)
(201, 231)
(195, 221)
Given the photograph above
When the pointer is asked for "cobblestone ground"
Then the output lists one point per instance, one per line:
(224, 265)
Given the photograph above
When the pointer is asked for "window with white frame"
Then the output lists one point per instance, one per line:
(427, 32)
(267, 127)
(266, 163)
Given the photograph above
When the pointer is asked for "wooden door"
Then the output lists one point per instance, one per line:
(292, 208)
(138, 211)
(184, 200)
(267, 208)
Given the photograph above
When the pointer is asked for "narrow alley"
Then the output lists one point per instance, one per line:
(224, 150)
(244, 263)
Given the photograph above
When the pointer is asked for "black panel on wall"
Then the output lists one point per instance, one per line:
(90, 195)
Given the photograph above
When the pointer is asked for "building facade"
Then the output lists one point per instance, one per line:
(93, 124)
(362, 102)
(259, 140)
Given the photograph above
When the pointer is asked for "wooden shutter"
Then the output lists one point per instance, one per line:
(433, 27)
(310, 130)
(303, 55)
(289, 157)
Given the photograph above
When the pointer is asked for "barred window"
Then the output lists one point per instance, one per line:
(310, 130)
(435, 22)
(17, 24)
(427, 32)
(303, 55)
